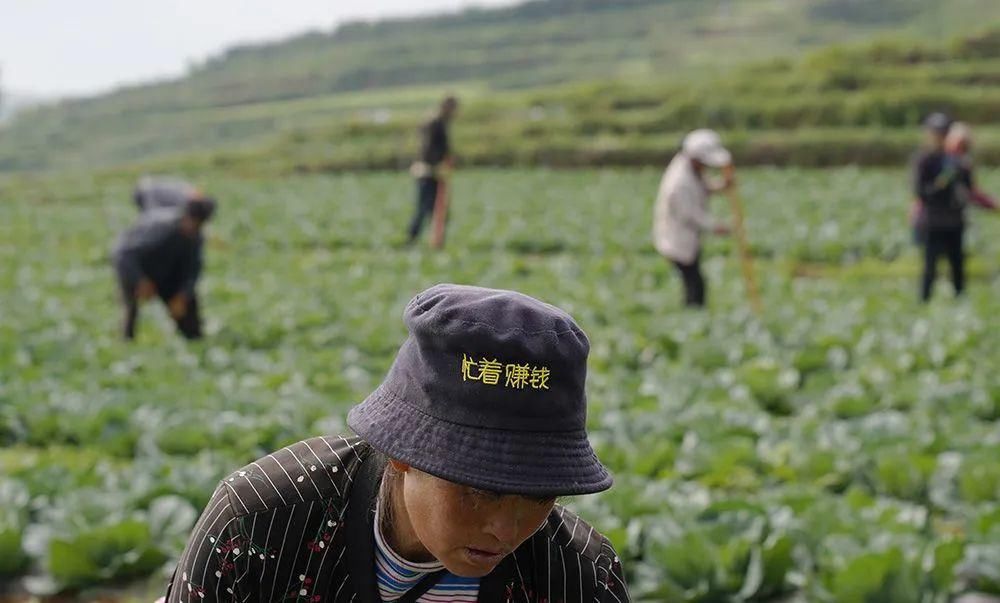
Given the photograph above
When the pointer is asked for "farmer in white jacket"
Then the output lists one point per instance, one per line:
(681, 214)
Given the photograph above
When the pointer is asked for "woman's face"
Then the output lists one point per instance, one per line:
(468, 530)
(956, 146)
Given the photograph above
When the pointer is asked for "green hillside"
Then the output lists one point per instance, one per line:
(394, 70)
(843, 105)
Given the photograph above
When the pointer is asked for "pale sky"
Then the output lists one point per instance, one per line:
(63, 47)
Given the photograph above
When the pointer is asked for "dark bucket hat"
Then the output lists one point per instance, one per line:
(487, 391)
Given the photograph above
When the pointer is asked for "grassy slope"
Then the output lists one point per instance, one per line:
(244, 97)
(855, 105)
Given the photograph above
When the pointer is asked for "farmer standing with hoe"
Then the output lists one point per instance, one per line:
(681, 215)
(430, 172)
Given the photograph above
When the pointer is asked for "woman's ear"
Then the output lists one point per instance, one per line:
(399, 466)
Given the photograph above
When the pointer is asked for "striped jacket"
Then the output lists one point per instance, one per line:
(297, 526)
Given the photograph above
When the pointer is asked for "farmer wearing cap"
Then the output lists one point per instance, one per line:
(943, 186)
(681, 216)
(447, 492)
(161, 255)
(931, 152)
(429, 170)
(165, 192)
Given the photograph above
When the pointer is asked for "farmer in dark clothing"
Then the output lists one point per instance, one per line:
(448, 492)
(435, 154)
(935, 130)
(161, 254)
(942, 183)
(163, 192)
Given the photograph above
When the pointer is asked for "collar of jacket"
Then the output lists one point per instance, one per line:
(360, 531)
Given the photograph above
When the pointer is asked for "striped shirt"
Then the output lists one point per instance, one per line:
(297, 526)
(396, 576)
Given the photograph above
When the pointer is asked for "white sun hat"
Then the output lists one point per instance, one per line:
(706, 146)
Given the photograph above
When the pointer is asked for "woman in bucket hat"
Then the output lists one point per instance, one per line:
(448, 491)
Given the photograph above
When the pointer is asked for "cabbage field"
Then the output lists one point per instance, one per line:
(844, 446)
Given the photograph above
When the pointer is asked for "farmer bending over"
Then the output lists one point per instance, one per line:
(161, 255)
(447, 493)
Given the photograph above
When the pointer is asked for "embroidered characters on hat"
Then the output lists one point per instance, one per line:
(511, 375)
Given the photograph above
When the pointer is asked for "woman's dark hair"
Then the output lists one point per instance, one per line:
(201, 209)
(449, 104)
(389, 478)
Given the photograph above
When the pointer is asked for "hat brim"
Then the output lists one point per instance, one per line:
(509, 462)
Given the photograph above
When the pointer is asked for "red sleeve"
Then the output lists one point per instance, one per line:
(983, 200)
